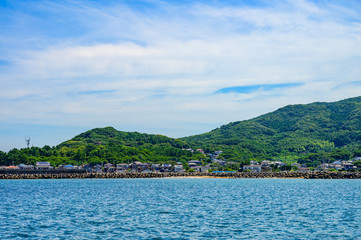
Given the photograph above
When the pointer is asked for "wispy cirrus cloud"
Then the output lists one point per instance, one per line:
(253, 88)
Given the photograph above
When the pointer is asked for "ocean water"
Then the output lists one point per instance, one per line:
(180, 209)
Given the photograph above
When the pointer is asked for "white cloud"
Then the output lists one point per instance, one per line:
(163, 69)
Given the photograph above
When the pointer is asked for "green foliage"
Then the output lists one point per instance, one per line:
(308, 133)
(102, 145)
(285, 168)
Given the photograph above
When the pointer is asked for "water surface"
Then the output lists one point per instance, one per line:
(180, 209)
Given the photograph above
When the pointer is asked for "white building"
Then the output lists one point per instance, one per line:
(43, 165)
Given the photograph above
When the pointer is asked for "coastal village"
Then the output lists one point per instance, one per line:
(213, 164)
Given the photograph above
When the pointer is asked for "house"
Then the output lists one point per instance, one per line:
(337, 162)
(328, 166)
(109, 168)
(202, 169)
(296, 165)
(253, 168)
(43, 165)
(166, 167)
(69, 167)
(178, 168)
(324, 166)
(122, 167)
(155, 167)
(303, 169)
(12, 168)
(26, 167)
(200, 150)
(197, 162)
(348, 166)
(220, 162)
(86, 167)
(139, 167)
(205, 169)
(265, 163)
(192, 165)
(336, 166)
(266, 168)
(215, 155)
(278, 163)
(189, 149)
(97, 169)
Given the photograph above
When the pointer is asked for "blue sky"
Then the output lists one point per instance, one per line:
(175, 68)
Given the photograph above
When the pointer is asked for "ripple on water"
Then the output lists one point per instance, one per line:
(180, 209)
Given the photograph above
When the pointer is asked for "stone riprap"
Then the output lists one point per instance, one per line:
(304, 175)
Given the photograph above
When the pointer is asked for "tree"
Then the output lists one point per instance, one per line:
(285, 167)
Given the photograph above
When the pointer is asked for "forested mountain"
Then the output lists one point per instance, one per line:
(308, 134)
(110, 136)
(102, 145)
(294, 131)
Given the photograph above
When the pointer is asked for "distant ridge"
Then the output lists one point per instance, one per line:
(304, 133)
(291, 130)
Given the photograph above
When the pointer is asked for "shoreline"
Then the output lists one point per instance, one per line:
(270, 175)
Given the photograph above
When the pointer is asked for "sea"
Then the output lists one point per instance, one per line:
(180, 208)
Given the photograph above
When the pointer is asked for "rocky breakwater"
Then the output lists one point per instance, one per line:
(304, 175)
(332, 175)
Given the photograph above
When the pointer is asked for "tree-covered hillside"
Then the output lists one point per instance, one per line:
(295, 131)
(309, 134)
(103, 145)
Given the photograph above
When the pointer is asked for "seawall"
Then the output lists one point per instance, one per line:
(79, 175)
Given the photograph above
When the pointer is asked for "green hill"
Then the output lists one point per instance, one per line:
(110, 136)
(101, 145)
(308, 133)
(293, 131)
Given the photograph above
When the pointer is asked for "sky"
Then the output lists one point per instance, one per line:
(176, 68)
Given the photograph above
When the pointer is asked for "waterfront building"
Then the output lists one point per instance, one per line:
(253, 168)
(122, 167)
(265, 163)
(155, 167)
(348, 166)
(266, 168)
(139, 166)
(69, 167)
(87, 167)
(109, 168)
(178, 168)
(12, 168)
(202, 169)
(43, 165)
(25, 167)
(97, 169)
(166, 167)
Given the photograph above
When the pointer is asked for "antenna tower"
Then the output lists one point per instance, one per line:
(27, 141)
